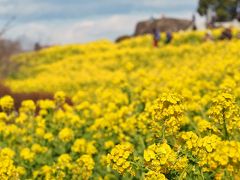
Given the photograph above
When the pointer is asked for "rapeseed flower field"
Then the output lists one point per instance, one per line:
(137, 112)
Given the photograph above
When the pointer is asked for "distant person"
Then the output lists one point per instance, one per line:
(226, 34)
(37, 46)
(208, 36)
(194, 26)
(169, 37)
(156, 37)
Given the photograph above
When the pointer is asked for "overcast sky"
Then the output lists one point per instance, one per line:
(73, 21)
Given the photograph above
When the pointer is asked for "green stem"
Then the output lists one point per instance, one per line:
(163, 132)
(226, 135)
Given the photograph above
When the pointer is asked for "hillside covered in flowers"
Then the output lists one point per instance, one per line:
(136, 112)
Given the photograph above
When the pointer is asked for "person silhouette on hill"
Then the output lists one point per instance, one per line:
(194, 26)
(208, 36)
(226, 34)
(169, 37)
(156, 37)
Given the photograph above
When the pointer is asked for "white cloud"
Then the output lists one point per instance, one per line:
(74, 31)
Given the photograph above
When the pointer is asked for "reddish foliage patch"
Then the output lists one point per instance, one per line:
(19, 97)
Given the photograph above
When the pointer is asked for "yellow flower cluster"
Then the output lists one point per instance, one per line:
(66, 134)
(162, 159)
(64, 161)
(46, 104)
(7, 168)
(226, 157)
(28, 106)
(225, 114)
(27, 154)
(152, 175)
(4, 117)
(60, 97)
(36, 148)
(82, 146)
(213, 154)
(168, 111)
(204, 125)
(7, 103)
(83, 167)
(119, 158)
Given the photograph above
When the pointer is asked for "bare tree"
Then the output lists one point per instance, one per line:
(7, 48)
(7, 25)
